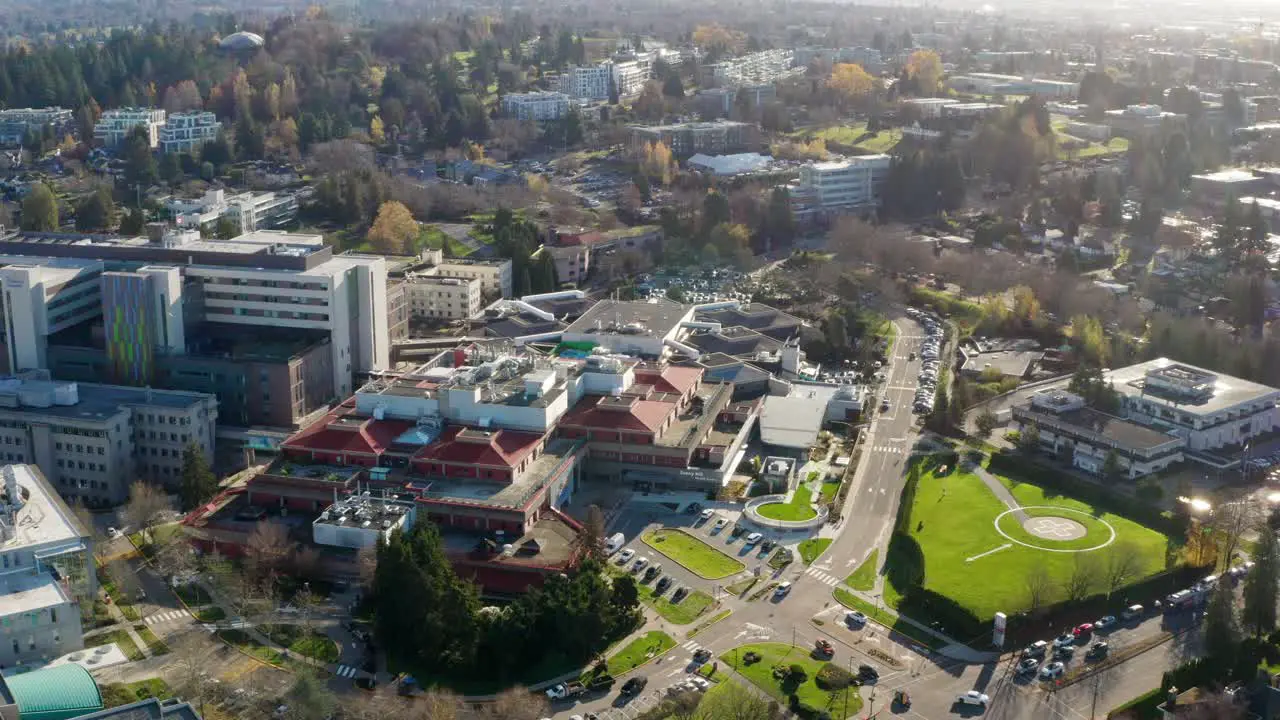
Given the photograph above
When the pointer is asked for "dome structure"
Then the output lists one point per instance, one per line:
(241, 41)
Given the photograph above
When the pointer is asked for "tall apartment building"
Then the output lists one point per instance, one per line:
(92, 441)
(538, 106)
(15, 123)
(189, 131)
(685, 139)
(47, 556)
(588, 83)
(849, 185)
(115, 125)
(629, 76)
(765, 66)
(180, 312)
(249, 211)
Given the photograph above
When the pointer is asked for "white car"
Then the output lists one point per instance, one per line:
(973, 697)
(853, 617)
(625, 556)
(784, 587)
(640, 563)
(1052, 670)
(721, 522)
(702, 683)
(708, 514)
(754, 538)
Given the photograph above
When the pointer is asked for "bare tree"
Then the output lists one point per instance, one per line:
(517, 703)
(188, 666)
(85, 518)
(1039, 587)
(146, 508)
(124, 578)
(1120, 564)
(175, 557)
(592, 537)
(267, 548)
(736, 702)
(1230, 521)
(341, 155)
(1085, 571)
(367, 563)
(306, 563)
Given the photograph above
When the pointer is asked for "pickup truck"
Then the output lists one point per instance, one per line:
(565, 691)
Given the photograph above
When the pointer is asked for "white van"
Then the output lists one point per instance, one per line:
(1132, 612)
(615, 542)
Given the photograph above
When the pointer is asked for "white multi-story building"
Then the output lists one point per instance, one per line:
(587, 83)
(115, 125)
(249, 211)
(629, 76)
(494, 275)
(443, 298)
(264, 280)
(929, 108)
(189, 131)
(848, 185)
(47, 555)
(15, 123)
(765, 66)
(538, 106)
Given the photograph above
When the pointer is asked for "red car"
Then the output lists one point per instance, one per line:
(1083, 630)
(824, 648)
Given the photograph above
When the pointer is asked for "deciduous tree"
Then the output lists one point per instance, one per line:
(147, 507)
(850, 82)
(40, 209)
(394, 229)
(925, 68)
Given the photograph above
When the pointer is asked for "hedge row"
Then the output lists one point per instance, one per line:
(1051, 478)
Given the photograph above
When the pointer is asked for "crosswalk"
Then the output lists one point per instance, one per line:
(691, 646)
(823, 577)
(166, 616)
(892, 449)
(346, 671)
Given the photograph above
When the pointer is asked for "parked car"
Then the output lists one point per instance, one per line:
(854, 617)
(867, 673)
(1098, 651)
(1132, 612)
(783, 588)
(707, 514)
(824, 648)
(634, 685)
(664, 582)
(640, 563)
(754, 538)
(973, 697)
(1052, 670)
(1064, 640)
(1106, 622)
(721, 522)
(1083, 630)
(625, 556)
(1028, 665)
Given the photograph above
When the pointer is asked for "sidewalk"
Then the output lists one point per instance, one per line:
(121, 621)
(1000, 491)
(953, 649)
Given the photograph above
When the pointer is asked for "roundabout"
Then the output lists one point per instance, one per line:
(1046, 525)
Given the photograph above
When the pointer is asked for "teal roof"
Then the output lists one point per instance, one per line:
(56, 693)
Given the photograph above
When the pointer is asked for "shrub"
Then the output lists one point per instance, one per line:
(1149, 492)
(797, 672)
(833, 677)
(751, 658)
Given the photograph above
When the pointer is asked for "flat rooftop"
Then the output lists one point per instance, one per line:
(795, 420)
(95, 402)
(550, 542)
(256, 253)
(45, 518)
(1225, 391)
(504, 495)
(630, 317)
(1125, 433)
(691, 423)
(30, 593)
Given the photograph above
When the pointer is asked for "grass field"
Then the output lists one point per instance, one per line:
(681, 613)
(640, 651)
(886, 617)
(798, 508)
(696, 556)
(773, 654)
(115, 695)
(120, 638)
(154, 643)
(813, 547)
(864, 578)
(856, 135)
(952, 522)
(314, 645)
(829, 490)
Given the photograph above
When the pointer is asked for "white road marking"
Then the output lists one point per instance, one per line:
(1005, 546)
(346, 671)
(165, 616)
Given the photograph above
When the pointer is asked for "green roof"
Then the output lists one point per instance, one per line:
(56, 693)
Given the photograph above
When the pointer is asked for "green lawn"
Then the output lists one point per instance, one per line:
(209, 614)
(813, 547)
(242, 641)
(694, 555)
(856, 134)
(828, 490)
(798, 508)
(952, 521)
(193, 595)
(708, 622)
(778, 654)
(154, 643)
(864, 578)
(681, 613)
(115, 695)
(314, 645)
(120, 638)
(640, 651)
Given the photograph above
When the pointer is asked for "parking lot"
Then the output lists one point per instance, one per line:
(931, 351)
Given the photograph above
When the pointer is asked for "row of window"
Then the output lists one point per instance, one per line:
(89, 450)
(70, 430)
(154, 419)
(81, 465)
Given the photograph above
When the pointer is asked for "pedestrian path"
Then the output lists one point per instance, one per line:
(166, 617)
(1000, 491)
(823, 577)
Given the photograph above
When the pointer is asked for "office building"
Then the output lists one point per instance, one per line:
(47, 557)
(996, 84)
(710, 138)
(1138, 121)
(629, 76)
(587, 83)
(93, 441)
(766, 66)
(537, 106)
(188, 132)
(848, 185)
(15, 123)
(203, 308)
(928, 108)
(116, 125)
(493, 275)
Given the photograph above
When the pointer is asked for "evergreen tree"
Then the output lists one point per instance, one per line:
(170, 169)
(40, 209)
(132, 222)
(1229, 231)
(1262, 583)
(1221, 635)
(199, 484)
(1256, 236)
(672, 86)
(139, 161)
(96, 212)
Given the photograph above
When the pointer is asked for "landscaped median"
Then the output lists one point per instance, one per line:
(786, 672)
(692, 554)
(681, 613)
(813, 547)
(864, 578)
(797, 509)
(639, 651)
(887, 618)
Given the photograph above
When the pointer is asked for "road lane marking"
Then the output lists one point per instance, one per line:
(1005, 546)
